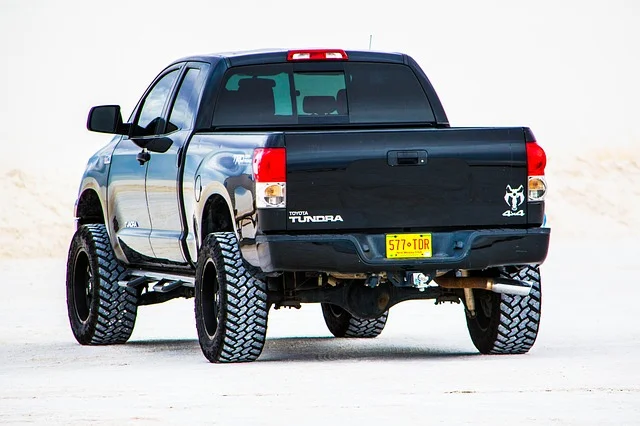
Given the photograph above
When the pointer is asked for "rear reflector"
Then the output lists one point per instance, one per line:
(270, 175)
(537, 188)
(271, 195)
(317, 55)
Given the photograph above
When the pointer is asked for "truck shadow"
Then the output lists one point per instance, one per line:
(310, 349)
(166, 345)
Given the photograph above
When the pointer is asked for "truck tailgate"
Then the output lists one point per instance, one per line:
(406, 179)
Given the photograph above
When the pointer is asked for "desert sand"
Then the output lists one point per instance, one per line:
(583, 370)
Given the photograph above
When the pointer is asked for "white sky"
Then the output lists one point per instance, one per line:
(570, 70)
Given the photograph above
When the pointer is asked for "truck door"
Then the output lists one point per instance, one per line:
(164, 176)
(130, 223)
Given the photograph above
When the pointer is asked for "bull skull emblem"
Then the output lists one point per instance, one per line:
(514, 197)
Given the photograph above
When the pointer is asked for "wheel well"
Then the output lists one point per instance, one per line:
(216, 216)
(89, 208)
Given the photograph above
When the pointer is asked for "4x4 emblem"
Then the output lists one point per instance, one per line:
(514, 199)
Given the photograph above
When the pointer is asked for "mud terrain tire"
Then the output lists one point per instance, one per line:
(342, 324)
(507, 324)
(230, 302)
(100, 311)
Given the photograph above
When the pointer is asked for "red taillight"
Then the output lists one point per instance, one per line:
(270, 175)
(317, 55)
(536, 159)
(536, 162)
(270, 165)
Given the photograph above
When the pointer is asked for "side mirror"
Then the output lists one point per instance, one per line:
(106, 119)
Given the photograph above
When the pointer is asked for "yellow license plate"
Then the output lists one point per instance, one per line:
(406, 246)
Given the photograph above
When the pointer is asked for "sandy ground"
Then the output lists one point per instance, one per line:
(584, 369)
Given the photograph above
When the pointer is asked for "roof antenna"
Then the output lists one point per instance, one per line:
(370, 39)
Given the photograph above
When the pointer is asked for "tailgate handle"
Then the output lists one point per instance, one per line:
(407, 158)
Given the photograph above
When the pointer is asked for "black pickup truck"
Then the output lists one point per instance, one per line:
(274, 178)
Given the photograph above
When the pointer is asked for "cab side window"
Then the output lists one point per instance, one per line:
(184, 107)
(150, 120)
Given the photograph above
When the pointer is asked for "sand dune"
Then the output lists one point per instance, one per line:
(595, 192)
(36, 213)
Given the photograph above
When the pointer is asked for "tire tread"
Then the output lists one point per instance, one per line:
(112, 319)
(244, 326)
(514, 323)
(346, 325)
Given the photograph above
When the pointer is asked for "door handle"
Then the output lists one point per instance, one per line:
(143, 156)
(407, 158)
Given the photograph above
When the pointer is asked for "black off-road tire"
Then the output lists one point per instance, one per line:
(230, 302)
(507, 324)
(342, 324)
(100, 311)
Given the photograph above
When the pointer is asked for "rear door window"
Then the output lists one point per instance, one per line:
(184, 107)
(356, 93)
(182, 112)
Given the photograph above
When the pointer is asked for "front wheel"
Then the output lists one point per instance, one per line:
(230, 302)
(506, 324)
(342, 324)
(101, 312)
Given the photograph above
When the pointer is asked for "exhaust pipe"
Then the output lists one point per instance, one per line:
(496, 285)
(512, 287)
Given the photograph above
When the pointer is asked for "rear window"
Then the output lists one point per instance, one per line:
(357, 93)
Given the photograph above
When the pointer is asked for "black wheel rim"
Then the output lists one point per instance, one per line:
(82, 286)
(484, 309)
(336, 310)
(210, 299)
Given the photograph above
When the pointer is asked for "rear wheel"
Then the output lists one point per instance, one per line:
(101, 312)
(342, 324)
(506, 324)
(230, 302)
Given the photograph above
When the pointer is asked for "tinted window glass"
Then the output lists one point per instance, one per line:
(186, 102)
(362, 93)
(150, 117)
(255, 95)
(382, 93)
(316, 93)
